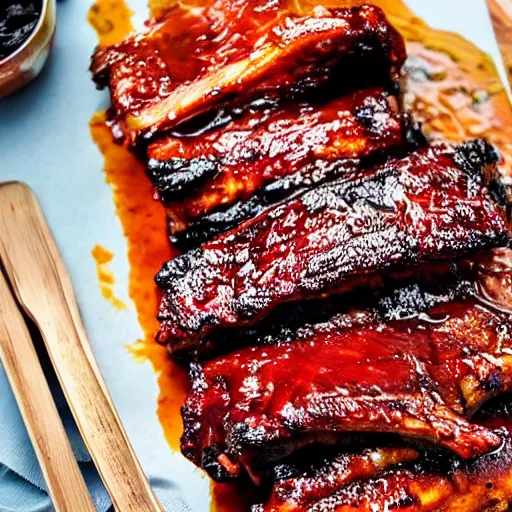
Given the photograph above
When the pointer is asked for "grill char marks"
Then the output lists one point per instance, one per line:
(188, 235)
(415, 296)
(329, 251)
(429, 206)
(160, 78)
(364, 340)
(265, 145)
(413, 486)
(299, 485)
(355, 372)
(269, 153)
(177, 175)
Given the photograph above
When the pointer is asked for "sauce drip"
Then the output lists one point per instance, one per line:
(144, 226)
(18, 19)
(106, 278)
(452, 87)
(111, 19)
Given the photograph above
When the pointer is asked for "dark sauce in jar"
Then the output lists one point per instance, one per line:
(18, 19)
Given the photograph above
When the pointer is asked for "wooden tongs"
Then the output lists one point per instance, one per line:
(43, 289)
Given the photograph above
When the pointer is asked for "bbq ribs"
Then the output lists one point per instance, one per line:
(294, 145)
(195, 60)
(358, 371)
(393, 478)
(396, 477)
(298, 485)
(340, 306)
(439, 203)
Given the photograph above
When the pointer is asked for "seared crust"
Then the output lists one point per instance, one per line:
(432, 205)
(356, 372)
(267, 154)
(427, 484)
(160, 78)
(278, 126)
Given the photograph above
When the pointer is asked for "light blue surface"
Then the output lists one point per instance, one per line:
(45, 141)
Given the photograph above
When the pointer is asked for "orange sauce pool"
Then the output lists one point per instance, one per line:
(106, 278)
(144, 226)
(455, 92)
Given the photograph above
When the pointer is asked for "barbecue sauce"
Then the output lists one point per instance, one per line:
(144, 226)
(111, 19)
(451, 86)
(18, 19)
(106, 278)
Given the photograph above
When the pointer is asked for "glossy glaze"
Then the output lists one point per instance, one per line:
(431, 205)
(416, 377)
(491, 118)
(237, 50)
(426, 485)
(292, 144)
(299, 486)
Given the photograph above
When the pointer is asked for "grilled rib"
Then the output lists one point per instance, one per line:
(425, 485)
(293, 145)
(355, 372)
(313, 475)
(430, 206)
(195, 60)
(187, 235)
(363, 475)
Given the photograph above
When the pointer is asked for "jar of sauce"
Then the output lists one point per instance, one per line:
(26, 33)
(18, 19)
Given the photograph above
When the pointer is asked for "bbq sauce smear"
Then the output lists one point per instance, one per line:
(18, 19)
(450, 86)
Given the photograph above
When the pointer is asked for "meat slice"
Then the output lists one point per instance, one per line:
(311, 476)
(396, 477)
(194, 60)
(439, 203)
(421, 378)
(267, 144)
(426, 485)
(189, 234)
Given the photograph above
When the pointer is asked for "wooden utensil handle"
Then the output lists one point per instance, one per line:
(58, 464)
(44, 289)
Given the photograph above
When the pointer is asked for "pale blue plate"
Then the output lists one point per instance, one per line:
(45, 141)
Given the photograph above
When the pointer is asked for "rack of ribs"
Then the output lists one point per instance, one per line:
(345, 303)
(439, 203)
(393, 478)
(396, 477)
(196, 60)
(420, 377)
(294, 145)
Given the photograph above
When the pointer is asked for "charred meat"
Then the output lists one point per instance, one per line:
(396, 477)
(420, 377)
(344, 305)
(291, 144)
(188, 234)
(299, 485)
(195, 60)
(438, 203)
(344, 481)
(231, 163)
